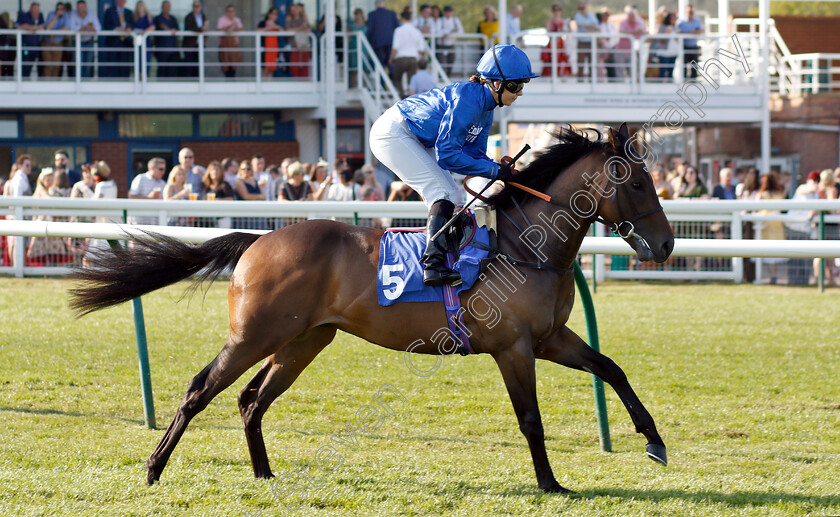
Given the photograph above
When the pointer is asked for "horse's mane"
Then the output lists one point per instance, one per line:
(572, 145)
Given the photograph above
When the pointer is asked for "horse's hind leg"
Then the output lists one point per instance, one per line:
(567, 348)
(275, 377)
(232, 361)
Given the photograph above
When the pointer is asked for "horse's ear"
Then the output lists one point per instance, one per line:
(614, 139)
(623, 132)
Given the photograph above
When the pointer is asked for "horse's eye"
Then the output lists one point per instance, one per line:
(637, 185)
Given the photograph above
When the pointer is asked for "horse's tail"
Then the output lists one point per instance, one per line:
(121, 274)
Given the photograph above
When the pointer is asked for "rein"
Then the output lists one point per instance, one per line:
(615, 227)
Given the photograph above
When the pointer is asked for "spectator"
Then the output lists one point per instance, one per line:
(229, 54)
(422, 80)
(826, 188)
(82, 20)
(408, 48)
(489, 26)
(513, 22)
(586, 22)
(691, 186)
(606, 57)
(197, 22)
(319, 174)
(7, 47)
(52, 47)
(748, 189)
(144, 23)
(230, 166)
(47, 250)
(84, 187)
(725, 189)
(261, 175)
(676, 175)
(771, 230)
(635, 27)
(106, 188)
(176, 186)
(61, 162)
(424, 21)
(148, 185)
(339, 41)
(270, 42)
(663, 188)
(666, 50)
(168, 56)
(556, 23)
(186, 160)
(61, 185)
(296, 187)
(115, 63)
(690, 25)
(381, 25)
(18, 184)
(346, 189)
(246, 188)
(358, 22)
(449, 26)
(369, 180)
(31, 20)
(299, 58)
(216, 187)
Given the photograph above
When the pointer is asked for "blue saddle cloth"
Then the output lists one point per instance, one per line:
(400, 275)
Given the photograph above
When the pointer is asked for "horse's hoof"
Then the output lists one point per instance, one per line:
(657, 453)
(555, 488)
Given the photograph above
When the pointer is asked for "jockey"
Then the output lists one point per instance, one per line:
(426, 136)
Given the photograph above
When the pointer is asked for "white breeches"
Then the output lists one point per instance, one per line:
(393, 144)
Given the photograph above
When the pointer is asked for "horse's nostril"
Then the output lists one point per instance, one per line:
(667, 247)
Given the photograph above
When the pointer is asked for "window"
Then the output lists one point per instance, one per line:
(44, 155)
(8, 126)
(349, 140)
(140, 125)
(235, 124)
(51, 125)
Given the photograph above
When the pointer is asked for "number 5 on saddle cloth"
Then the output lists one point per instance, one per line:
(400, 275)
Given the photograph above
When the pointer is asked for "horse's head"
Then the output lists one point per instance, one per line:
(629, 201)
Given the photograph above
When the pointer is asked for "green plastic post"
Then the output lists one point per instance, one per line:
(821, 275)
(597, 383)
(356, 218)
(142, 358)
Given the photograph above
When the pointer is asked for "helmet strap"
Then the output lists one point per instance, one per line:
(500, 90)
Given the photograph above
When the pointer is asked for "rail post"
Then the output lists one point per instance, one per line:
(142, 353)
(821, 275)
(597, 383)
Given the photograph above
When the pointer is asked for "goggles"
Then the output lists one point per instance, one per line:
(515, 86)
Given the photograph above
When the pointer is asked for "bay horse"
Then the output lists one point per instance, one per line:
(292, 289)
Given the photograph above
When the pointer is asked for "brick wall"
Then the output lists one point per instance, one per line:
(116, 154)
(804, 34)
(274, 152)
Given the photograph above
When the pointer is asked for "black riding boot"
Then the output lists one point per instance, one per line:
(434, 258)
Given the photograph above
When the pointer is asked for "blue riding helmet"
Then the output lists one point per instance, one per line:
(506, 63)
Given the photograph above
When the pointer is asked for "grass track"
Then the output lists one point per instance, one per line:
(742, 381)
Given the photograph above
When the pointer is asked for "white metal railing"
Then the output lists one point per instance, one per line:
(160, 56)
(813, 73)
(603, 66)
(690, 219)
(459, 60)
(378, 91)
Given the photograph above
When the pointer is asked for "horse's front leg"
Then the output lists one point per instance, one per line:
(567, 348)
(517, 367)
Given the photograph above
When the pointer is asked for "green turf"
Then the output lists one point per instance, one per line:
(742, 382)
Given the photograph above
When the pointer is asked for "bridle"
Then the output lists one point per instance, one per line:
(616, 227)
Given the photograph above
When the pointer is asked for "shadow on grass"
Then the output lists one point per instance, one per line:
(54, 412)
(733, 499)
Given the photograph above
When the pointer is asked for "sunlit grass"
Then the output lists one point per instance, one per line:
(742, 381)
